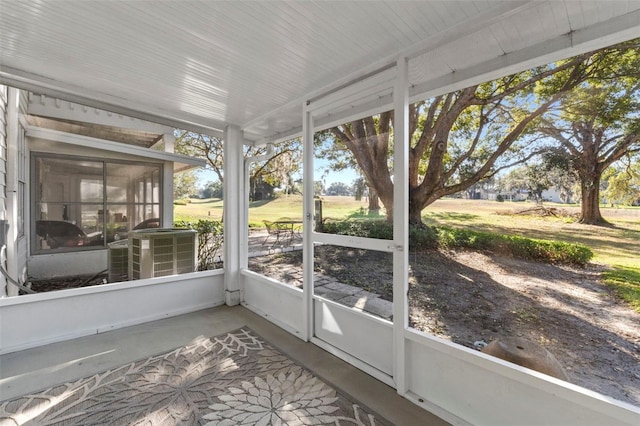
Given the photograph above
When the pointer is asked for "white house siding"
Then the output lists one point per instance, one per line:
(13, 181)
(3, 151)
(553, 195)
(3, 168)
(19, 160)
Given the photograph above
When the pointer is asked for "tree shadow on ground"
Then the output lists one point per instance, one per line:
(260, 203)
(466, 305)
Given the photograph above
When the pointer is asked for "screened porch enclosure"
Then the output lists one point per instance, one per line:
(256, 74)
(447, 379)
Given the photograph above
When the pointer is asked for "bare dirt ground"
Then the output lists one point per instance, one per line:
(68, 283)
(468, 297)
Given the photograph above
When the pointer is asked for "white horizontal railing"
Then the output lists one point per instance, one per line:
(464, 386)
(39, 319)
(278, 303)
(386, 246)
(359, 338)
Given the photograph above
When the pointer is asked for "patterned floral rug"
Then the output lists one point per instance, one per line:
(233, 379)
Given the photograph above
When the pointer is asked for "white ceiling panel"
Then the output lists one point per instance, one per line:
(208, 64)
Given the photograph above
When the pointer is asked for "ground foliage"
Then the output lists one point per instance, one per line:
(210, 238)
(439, 237)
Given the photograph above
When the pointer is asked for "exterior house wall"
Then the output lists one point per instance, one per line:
(82, 311)
(13, 177)
(16, 147)
(17, 185)
(553, 195)
(3, 173)
(45, 266)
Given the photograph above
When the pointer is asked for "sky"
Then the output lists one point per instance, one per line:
(320, 165)
(345, 176)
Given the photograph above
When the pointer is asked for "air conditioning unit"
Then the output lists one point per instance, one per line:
(118, 261)
(160, 252)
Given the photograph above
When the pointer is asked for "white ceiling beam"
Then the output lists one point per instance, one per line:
(379, 83)
(594, 37)
(46, 106)
(56, 89)
(276, 138)
(86, 141)
(366, 109)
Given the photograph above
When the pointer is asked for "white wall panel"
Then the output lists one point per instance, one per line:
(483, 390)
(277, 302)
(34, 320)
(362, 336)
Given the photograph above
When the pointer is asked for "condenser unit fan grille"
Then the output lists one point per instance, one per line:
(162, 252)
(118, 261)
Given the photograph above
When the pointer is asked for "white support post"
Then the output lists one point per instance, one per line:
(308, 211)
(400, 223)
(9, 255)
(169, 142)
(167, 195)
(233, 182)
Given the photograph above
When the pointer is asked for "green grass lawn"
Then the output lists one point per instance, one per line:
(617, 246)
(209, 208)
(285, 206)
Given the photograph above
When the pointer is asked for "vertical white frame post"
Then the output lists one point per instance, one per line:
(169, 142)
(308, 212)
(167, 183)
(167, 194)
(233, 203)
(9, 256)
(400, 222)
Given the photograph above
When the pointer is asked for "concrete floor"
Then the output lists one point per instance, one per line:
(39, 368)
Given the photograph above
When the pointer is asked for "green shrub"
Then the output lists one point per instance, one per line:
(181, 202)
(210, 239)
(423, 238)
(431, 237)
(379, 229)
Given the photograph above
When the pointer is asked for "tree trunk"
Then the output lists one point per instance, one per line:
(415, 214)
(374, 202)
(252, 188)
(590, 206)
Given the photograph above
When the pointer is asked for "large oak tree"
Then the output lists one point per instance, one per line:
(597, 124)
(276, 171)
(460, 138)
